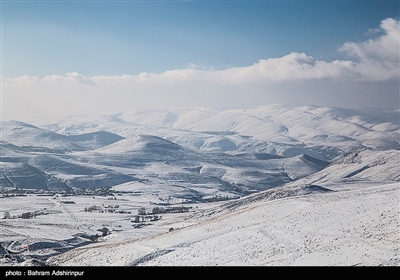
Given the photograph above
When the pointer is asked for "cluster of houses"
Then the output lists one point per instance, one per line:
(106, 209)
(7, 192)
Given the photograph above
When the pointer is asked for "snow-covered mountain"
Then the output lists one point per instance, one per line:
(236, 151)
(32, 138)
(150, 159)
(262, 186)
(320, 132)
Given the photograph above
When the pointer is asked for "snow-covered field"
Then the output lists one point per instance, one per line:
(266, 186)
(347, 228)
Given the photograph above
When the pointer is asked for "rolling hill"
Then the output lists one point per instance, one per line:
(301, 223)
(234, 151)
(265, 186)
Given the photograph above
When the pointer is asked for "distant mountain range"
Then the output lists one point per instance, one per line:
(199, 152)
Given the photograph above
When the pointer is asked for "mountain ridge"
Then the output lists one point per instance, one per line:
(263, 186)
(237, 151)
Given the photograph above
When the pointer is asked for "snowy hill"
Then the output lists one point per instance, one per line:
(37, 139)
(154, 160)
(320, 132)
(296, 224)
(29, 136)
(201, 186)
(235, 151)
(358, 166)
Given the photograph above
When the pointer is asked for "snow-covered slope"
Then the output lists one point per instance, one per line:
(29, 136)
(296, 224)
(304, 186)
(153, 160)
(233, 150)
(364, 166)
(33, 138)
(320, 132)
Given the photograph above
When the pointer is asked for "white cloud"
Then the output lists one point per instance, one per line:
(377, 60)
(70, 77)
(384, 48)
(294, 66)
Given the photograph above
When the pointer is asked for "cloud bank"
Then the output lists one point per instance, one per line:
(373, 61)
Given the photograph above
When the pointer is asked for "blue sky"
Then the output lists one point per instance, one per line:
(74, 50)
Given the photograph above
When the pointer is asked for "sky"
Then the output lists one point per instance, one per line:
(105, 57)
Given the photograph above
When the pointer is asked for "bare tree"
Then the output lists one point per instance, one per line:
(157, 210)
(105, 231)
(27, 215)
(7, 215)
(142, 211)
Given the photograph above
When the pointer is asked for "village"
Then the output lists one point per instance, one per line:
(10, 192)
(80, 217)
(86, 209)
